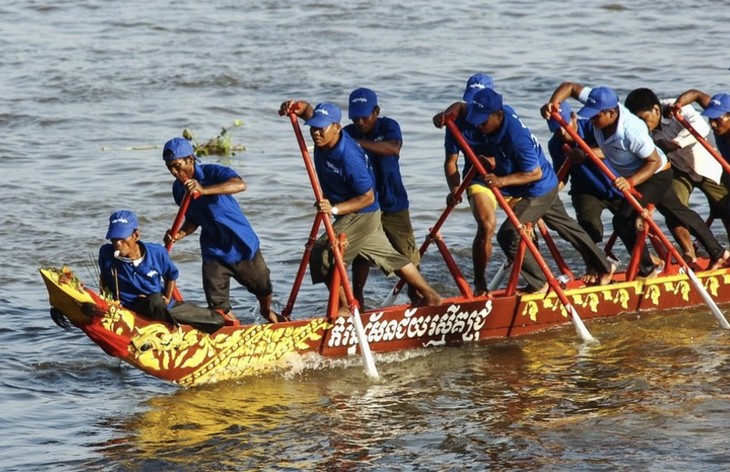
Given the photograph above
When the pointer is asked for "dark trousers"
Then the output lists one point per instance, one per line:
(658, 190)
(588, 210)
(152, 306)
(253, 274)
(550, 208)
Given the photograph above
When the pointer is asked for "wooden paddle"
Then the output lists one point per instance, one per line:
(433, 233)
(580, 327)
(652, 224)
(176, 225)
(367, 356)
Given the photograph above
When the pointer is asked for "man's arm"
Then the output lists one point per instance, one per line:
(380, 148)
(517, 178)
(649, 168)
(300, 108)
(563, 92)
(456, 109)
(352, 205)
(169, 289)
(229, 187)
(692, 96)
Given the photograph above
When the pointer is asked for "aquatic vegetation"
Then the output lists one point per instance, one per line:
(220, 145)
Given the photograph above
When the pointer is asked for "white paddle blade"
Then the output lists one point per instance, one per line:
(706, 297)
(367, 356)
(499, 276)
(391, 298)
(583, 332)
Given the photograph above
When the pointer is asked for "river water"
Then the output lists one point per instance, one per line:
(85, 80)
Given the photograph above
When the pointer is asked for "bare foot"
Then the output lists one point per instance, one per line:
(531, 290)
(720, 262)
(654, 273)
(589, 278)
(607, 277)
(344, 312)
(432, 299)
(229, 317)
(273, 317)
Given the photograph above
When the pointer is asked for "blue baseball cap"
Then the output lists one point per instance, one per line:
(719, 105)
(122, 224)
(362, 103)
(485, 103)
(600, 98)
(565, 113)
(477, 83)
(177, 148)
(324, 115)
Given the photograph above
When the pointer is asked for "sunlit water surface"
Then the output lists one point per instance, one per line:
(81, 76)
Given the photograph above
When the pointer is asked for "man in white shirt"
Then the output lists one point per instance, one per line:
(624, 140)
(694, 167)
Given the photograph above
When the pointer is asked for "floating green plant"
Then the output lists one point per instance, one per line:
(221, 145)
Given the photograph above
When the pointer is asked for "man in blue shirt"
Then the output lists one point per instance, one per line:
(348, 187)
(590, 190)
(482, 202)
(140, 275)
(381, 139)
(228, 243)
(626, 143)
(523, 172)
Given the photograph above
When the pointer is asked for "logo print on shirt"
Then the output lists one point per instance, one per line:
(332, 168)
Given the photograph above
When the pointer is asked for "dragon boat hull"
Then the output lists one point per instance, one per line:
(187, 356)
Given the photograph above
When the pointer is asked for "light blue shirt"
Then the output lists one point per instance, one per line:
(630, 145)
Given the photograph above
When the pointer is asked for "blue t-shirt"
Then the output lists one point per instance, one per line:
(584, 177)
(473, 137)
(146, 278)
(226, 235)
(516, 150)
(392, 195)
(344, 172)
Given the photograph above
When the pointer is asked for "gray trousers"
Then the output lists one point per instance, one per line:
(550, 208)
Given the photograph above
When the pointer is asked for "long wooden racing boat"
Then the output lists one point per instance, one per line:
(187, 356)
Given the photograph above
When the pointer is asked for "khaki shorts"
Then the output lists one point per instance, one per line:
(365, 238)
(398, 229)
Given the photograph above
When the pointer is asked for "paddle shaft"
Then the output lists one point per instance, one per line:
(368, 361)
(179, 219)
(677, 112)
(432, 234)
(466, 148)
(176, 225)
(652, 224)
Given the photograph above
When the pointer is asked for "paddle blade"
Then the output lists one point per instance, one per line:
(707, 298)
(580, 328)
(367, 356)
(392, 297)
